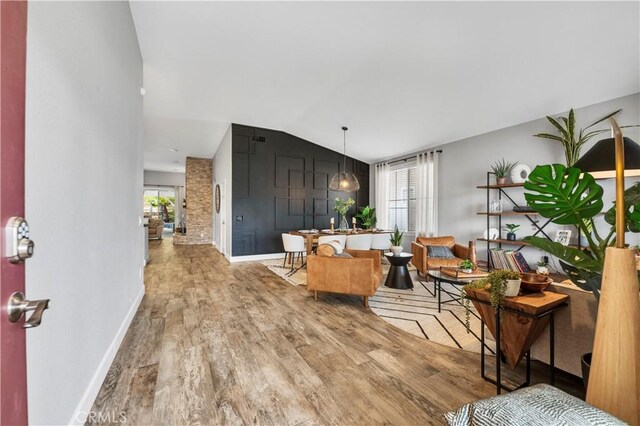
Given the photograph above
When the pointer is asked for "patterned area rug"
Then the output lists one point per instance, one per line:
(414, 311)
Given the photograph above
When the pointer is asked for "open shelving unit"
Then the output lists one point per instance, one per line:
(531, 216)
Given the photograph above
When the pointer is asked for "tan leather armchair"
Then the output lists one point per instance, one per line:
(360, 275)
(423, 262)
(155, 228)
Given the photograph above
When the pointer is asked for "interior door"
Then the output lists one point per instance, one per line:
(13, 374)
(16, 313)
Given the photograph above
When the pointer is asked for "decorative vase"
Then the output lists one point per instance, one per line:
(511, 236)
(513, 288)
(543, 270)
(344, 225)
(467, 271)
(501, 180)
(396, 250)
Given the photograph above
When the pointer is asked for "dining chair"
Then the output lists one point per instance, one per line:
(293, 244)
(381, 242)
(359, 242)
(342, 239)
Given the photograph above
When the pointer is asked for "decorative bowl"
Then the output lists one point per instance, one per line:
(535, 282)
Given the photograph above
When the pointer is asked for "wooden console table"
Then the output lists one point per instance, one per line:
(521, 321)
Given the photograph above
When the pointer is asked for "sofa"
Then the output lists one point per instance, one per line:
(423, 262)
(360, 275)
(155, 229)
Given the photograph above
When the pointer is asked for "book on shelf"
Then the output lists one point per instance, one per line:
(508, 259)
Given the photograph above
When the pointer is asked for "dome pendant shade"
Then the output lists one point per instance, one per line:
(600, 161)
(344, 181)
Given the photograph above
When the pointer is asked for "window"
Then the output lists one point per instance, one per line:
(160, 203)
(402, 198)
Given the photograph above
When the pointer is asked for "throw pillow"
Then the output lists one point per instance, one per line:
(440, 252)
(344, 255)
(325, 250)
(336, 245)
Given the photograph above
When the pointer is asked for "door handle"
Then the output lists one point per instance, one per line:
(19, 306)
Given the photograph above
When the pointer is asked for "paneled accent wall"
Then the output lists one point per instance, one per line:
(281, 183)
(199, 195)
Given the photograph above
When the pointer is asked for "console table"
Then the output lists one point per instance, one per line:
(520, 322)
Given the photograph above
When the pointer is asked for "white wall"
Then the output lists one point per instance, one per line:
(83, 197)
(464, 163)
(222, 177)
(152, 177)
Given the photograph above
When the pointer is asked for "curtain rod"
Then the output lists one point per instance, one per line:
(413, 156)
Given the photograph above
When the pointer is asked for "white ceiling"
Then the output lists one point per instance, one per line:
(402, 76)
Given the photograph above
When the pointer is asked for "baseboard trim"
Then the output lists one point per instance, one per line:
(256, 257)
(90, 394)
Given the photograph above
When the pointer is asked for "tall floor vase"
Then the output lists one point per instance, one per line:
(614, 377)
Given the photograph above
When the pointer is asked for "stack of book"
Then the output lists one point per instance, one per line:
(509, 259)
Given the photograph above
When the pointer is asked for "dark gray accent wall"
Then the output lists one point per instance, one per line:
(281, 183)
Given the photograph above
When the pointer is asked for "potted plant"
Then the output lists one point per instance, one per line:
(501, 170)
(396, 242)
(543, 267)
(568, 197)
(367, 216)
(500, 284)
(342, 207)
(467, 266)
(573, 141)
(511, 227)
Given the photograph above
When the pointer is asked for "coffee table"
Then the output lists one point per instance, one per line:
(398, 276)
(439, 277)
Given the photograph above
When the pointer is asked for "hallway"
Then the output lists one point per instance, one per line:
(214, 343)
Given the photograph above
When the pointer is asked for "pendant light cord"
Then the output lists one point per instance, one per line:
(344, 150)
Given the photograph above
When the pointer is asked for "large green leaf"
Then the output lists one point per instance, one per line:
(573, 256)
(560, 194)
(632, 209)
(586, 280)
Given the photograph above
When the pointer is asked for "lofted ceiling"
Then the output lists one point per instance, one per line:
(402, 75)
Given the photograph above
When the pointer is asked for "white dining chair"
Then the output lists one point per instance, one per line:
(293, 244)
(342, 239)
(380, 242)
(359, 242)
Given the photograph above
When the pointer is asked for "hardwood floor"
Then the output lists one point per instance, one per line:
(214, 343)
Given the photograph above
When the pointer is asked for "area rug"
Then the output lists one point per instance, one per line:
(414, 311)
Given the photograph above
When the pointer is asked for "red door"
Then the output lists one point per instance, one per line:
(13, 37)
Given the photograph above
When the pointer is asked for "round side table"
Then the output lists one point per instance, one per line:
(399, 276)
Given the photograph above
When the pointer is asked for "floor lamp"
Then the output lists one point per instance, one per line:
(614, 377)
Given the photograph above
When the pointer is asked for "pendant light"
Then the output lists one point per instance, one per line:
(343, 181)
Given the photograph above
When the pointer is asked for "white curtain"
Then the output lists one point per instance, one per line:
(382, 195)
(427, 194)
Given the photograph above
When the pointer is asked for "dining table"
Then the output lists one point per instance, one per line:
(312, 235)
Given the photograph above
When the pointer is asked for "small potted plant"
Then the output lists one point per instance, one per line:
(467, 266)
(367, 216)
(396, 242)
(511, 227)
(500, 284)
(543, 267)
(502, 169)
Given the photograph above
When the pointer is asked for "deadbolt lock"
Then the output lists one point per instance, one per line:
(18, 245)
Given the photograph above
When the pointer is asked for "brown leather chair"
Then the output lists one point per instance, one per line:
(360, 275)
(423, 262)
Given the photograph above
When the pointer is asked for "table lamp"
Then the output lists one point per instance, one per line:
(614, 376)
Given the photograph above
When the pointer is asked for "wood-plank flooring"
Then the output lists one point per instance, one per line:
(214, 343)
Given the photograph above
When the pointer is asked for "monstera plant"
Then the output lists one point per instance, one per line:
(568, 197)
